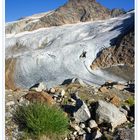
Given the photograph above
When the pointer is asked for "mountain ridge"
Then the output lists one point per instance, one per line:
(73, 11)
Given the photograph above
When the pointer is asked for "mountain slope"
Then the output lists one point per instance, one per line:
(73, 11)
(58, 53)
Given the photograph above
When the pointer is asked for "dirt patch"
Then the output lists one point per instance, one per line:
(9, 73)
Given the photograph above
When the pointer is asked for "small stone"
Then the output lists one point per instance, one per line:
(131, 119)
(119, 87)
(59, 100)
(72, 100)
(88, 130)
(82, 125)
(91, 100)
(8, 114)
(23, 100)
(95, 93)
(104, 89)
(115, 100)
(75, 133)
(55, 96)
(81, 132)
(97, 134)
(124, 111)
(10, 103)
(107, 99)
(55, 99)
(9, 95)
(72, 137)
(96, 90)
(52, 90)
(126, 107)
(62, 93)
(92, 124)
(65, 96)
(75, 127)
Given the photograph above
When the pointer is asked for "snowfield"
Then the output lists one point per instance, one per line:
(54, 54)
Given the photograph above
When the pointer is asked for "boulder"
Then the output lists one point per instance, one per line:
(79, 81)
(124, 134)
(81, 113)
(42, 97)
(110, 114)
(39, 87)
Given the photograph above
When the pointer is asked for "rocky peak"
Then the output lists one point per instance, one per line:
(73, 11)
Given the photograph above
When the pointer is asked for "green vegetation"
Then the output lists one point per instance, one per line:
(38, 119)
(130, 101)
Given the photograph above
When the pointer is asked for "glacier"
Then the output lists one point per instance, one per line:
(54, 54)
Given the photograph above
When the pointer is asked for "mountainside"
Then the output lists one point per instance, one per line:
(73, 11)
(60, 53)
(69, 74)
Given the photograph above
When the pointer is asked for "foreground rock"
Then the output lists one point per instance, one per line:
(39, 87)
(92, 124)
(110, 114)
(39, 97)
(124, 134)
(82, 112)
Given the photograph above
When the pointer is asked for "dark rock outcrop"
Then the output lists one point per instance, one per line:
(117, 12)
(121, 54)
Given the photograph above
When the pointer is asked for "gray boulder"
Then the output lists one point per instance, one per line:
(79, 81)
(124, 134)
(39, 87)
(110, 114)
(81, 113)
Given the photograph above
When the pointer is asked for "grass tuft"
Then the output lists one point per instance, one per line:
(130, 101)
(39, 119)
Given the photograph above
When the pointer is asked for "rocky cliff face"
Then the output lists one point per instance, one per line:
(73, 11)
(121, 54)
